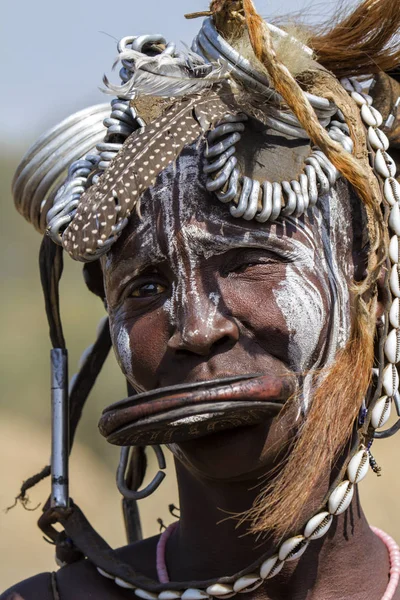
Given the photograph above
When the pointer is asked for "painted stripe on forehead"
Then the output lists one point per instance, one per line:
(179, 196)
(209, 244)
(141, 247)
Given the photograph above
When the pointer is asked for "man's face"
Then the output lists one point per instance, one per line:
(195, 294)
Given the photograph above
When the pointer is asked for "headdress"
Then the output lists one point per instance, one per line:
(167, 101)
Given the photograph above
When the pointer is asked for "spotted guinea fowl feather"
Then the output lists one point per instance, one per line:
(105, 206)
(166, 75)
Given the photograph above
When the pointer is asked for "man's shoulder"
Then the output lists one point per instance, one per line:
(78, 581)
(40, 586)
(81, 580)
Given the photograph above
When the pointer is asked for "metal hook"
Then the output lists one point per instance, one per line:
(386, 433)
(151, 487)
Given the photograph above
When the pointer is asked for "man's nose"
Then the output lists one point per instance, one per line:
(201, 327)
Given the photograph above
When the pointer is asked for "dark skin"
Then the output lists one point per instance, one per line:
(218, 475)
(192, 309)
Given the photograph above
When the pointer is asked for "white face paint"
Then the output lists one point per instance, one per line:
(302, 303)
(174, 194)
(313, 297)
(124, 351)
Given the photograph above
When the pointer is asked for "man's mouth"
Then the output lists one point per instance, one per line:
(188, 411)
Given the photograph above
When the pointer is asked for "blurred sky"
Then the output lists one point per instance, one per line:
(53, 54)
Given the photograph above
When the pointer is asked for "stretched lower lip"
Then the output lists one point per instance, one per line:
(182, 412)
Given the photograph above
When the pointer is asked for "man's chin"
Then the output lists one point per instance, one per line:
(234, 454)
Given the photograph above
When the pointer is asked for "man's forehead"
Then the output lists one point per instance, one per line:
(178, 206)
(195, 224)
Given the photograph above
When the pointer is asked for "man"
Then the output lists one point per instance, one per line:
(241, 269)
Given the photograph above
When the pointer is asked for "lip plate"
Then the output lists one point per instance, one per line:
(180, 425)
(194, 411)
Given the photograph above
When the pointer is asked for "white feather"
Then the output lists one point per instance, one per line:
(165, 75)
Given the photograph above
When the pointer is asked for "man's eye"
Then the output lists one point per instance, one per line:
(147, 290)
(248, 264)
(244, 266)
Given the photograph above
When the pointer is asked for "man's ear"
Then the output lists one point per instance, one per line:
(386, 92)
(93, 276)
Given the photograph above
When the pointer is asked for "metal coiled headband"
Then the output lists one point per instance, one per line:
(87, 140)
(91, 139)
(267, 201)
(212, 47)
(38, 176)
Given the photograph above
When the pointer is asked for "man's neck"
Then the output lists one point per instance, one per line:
(348, 562)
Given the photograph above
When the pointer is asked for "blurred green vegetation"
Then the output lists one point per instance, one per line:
(25, 345)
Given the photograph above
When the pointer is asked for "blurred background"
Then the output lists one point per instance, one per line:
(53, 56)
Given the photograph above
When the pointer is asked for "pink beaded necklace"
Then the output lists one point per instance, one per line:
(394, 560)
(391, 545)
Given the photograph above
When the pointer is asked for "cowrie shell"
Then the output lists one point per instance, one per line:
(318, 525)
(247, 583)
(124, 584)
(358, 466)
(145, 594)
(394, 219)
(105, 574)
(219, 590)
(371, 116)
(394, 249)
(293, 548)
(390, 380)
(194, 594)
(346, 83)
(377, 115)
(169, 595)
(392, 346)
(377, 139)
(394, 313)
(271, 567)
(368, 98)
(394, 281)
(358, 98)
(381, 412)
(391, 190)
(384, 164)
(340, 498)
